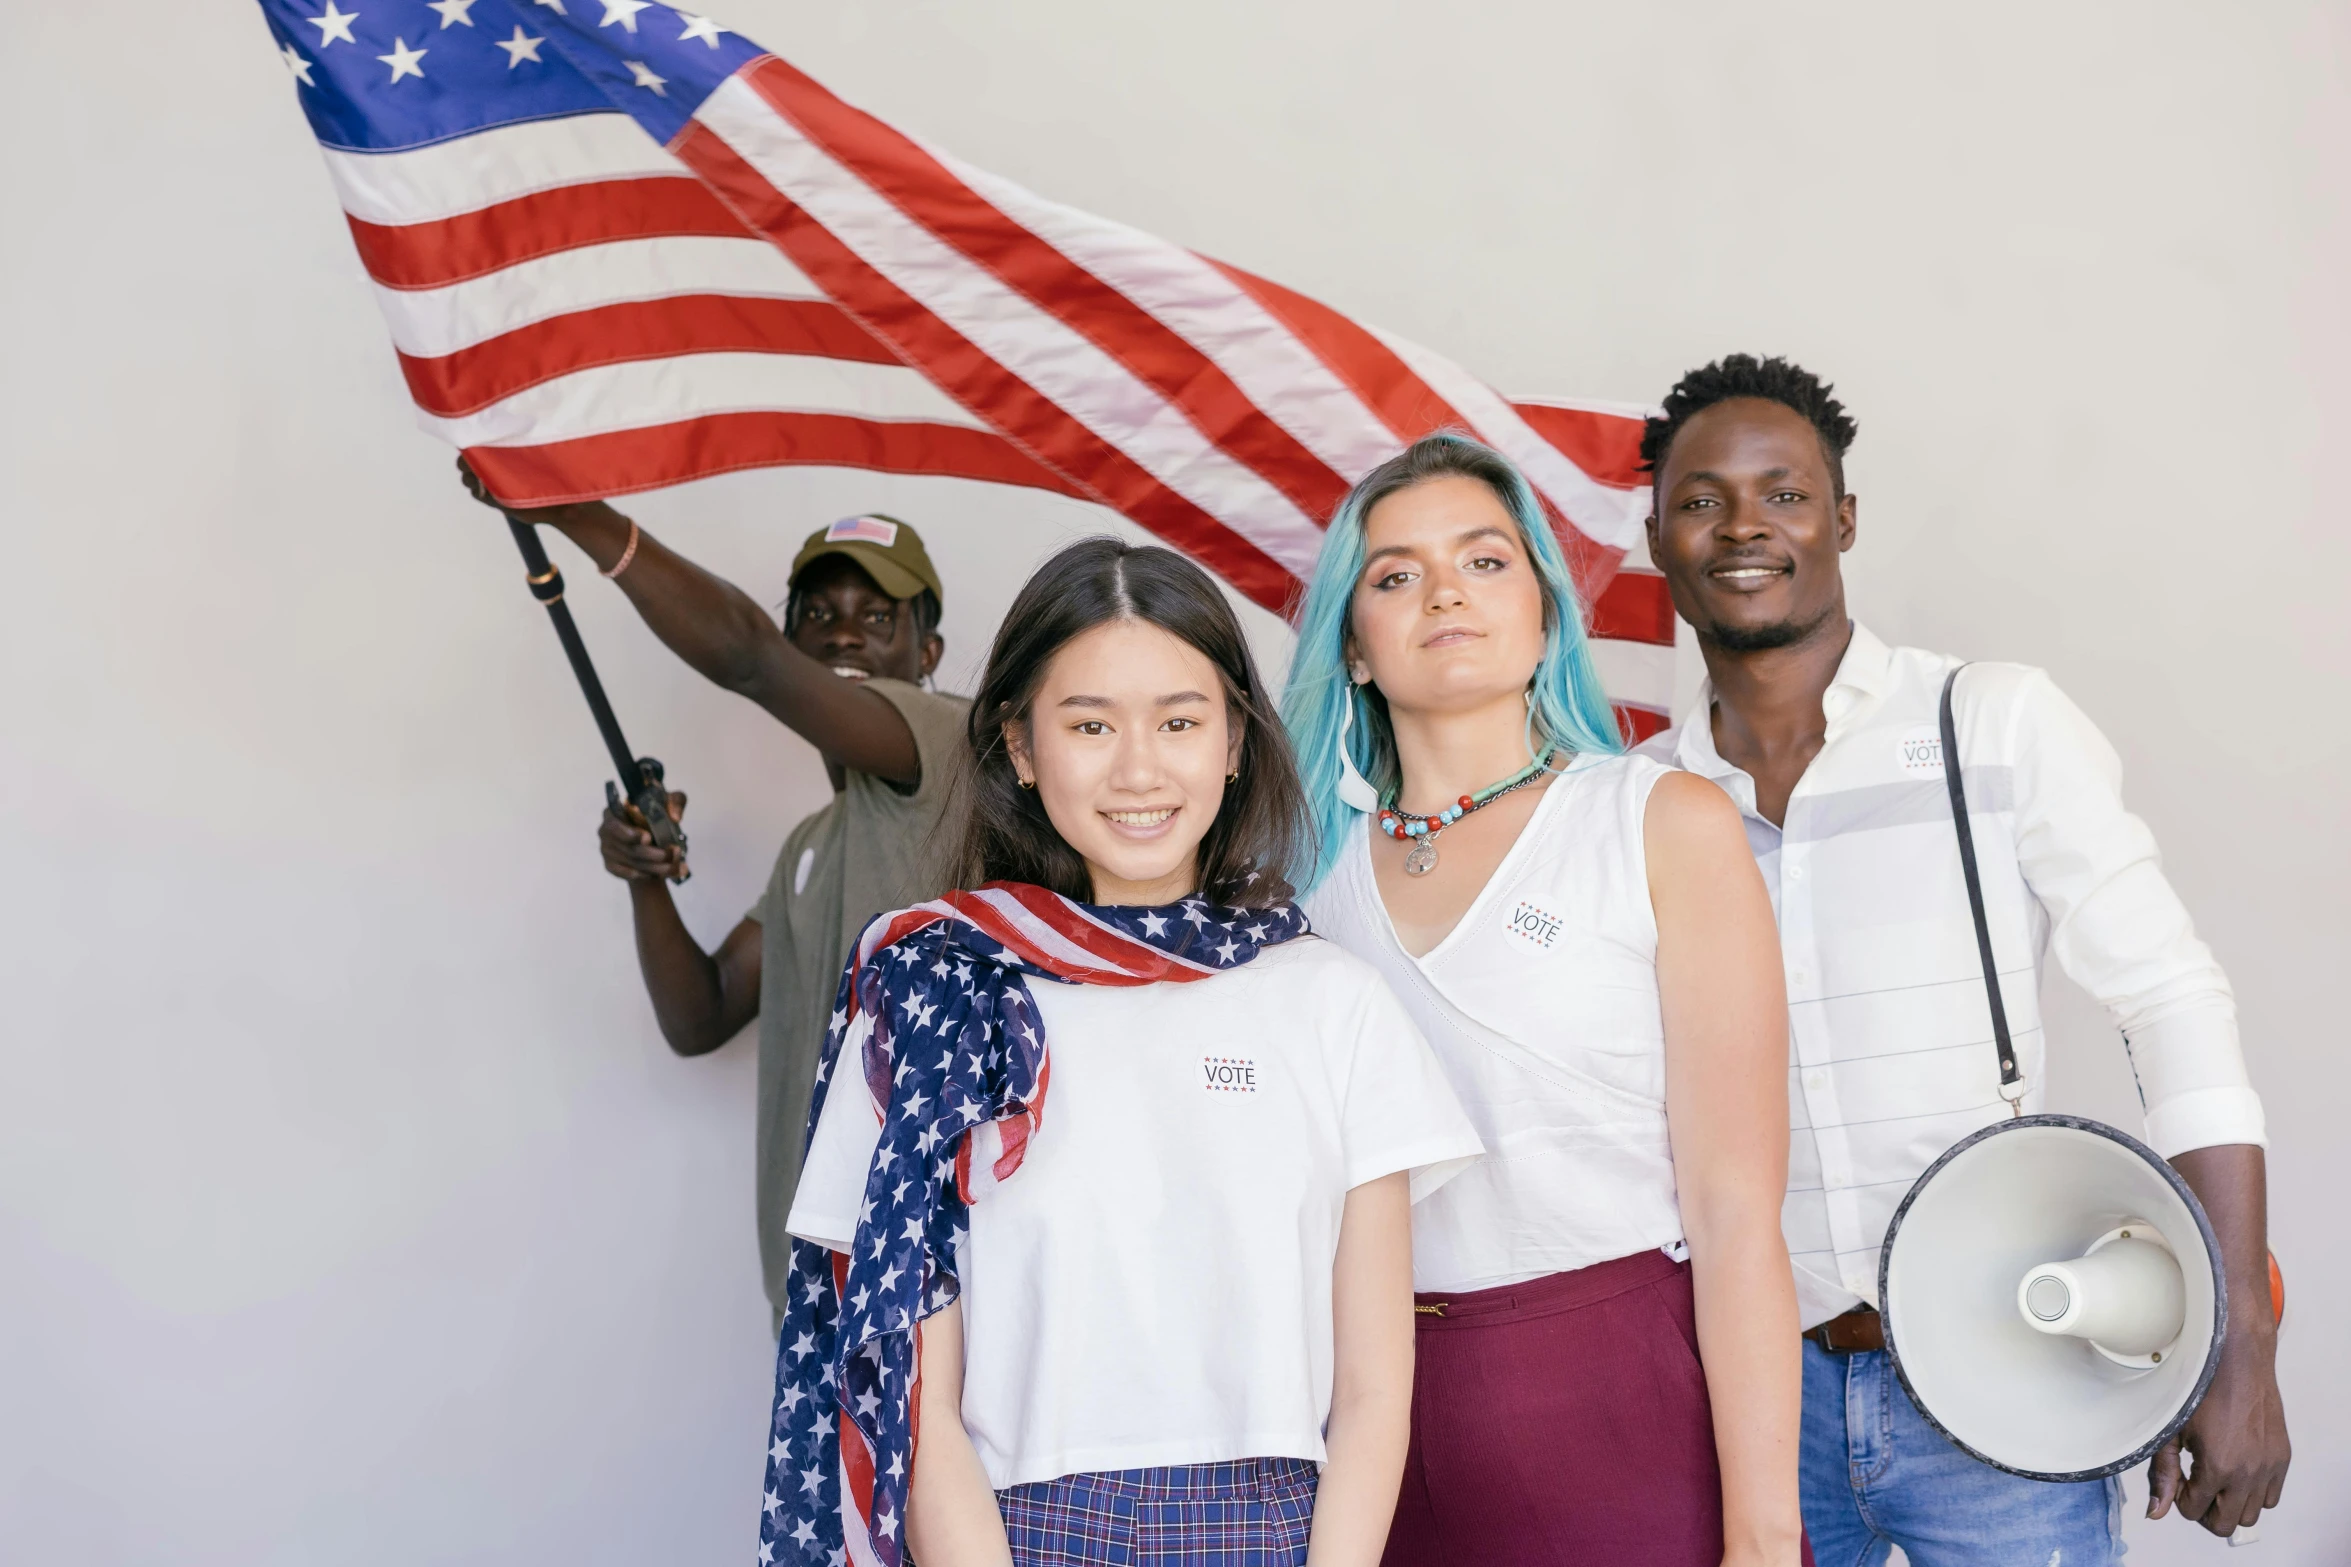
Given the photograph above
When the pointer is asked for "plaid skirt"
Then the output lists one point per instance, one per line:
(1254, 1512)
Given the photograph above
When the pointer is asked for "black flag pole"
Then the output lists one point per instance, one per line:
(640, 776)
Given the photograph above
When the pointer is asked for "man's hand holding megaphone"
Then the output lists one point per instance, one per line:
(2237, 1436)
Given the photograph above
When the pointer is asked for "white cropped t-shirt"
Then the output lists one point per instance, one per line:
(1542, 1003)
(1153, 1285)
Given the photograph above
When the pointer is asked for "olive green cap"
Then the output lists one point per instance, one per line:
(890, 552)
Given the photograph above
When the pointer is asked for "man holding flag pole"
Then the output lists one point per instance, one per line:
(846, 672)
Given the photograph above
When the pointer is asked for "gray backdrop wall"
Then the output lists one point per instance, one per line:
(351, 1209)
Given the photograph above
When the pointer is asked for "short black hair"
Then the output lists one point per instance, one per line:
(1260, 833)
(1743, 375)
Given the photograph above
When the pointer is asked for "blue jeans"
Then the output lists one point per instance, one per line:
(1875, 1475)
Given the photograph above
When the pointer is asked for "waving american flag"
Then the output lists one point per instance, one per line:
(620, 246)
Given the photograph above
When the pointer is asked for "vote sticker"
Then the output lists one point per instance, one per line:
(1920, 752)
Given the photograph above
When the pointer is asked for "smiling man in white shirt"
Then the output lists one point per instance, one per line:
(1822, 734)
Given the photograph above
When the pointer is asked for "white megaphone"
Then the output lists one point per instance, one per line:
(2050, 1290)
(2053, 1298)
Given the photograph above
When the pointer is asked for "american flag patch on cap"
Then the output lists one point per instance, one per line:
(873, 530)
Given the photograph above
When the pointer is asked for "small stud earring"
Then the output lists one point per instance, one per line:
(1234, 776)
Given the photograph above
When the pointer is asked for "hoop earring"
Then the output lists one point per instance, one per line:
(1025, 783)
(1355, 790)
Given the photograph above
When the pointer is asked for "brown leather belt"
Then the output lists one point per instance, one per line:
(1856, 1331)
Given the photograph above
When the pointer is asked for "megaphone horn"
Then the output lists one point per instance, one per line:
(2053, 1297)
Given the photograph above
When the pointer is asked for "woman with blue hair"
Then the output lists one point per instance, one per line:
(1605, 1312)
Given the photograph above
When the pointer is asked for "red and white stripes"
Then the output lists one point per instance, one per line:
(584, 317)
(586, 314)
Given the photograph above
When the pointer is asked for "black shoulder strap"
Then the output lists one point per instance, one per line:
(2011, 1079)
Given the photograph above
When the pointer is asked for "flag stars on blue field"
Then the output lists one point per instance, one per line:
(335, 24)
(520, 47)
(403, 60)
(591, 56)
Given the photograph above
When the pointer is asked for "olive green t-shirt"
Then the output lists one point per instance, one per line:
(871, 850)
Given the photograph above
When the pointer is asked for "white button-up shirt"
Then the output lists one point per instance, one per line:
(1890, 1031)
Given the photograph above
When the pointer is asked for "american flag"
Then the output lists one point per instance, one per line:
(619, 246)
(870, 530)
(937, 1009)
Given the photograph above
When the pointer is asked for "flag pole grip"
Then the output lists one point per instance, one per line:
(641, 781)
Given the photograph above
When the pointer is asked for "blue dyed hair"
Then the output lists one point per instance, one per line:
(1569, 711)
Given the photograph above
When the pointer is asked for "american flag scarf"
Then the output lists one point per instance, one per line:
(936, 1001)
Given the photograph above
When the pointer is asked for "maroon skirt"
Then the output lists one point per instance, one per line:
(1562, 1420)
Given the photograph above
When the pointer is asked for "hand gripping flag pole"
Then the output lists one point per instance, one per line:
(640, 776)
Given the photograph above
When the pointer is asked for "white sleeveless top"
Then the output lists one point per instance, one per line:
(1542, 1005)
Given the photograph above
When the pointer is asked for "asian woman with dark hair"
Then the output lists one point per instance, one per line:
(1255, 833)
(1131, 1329)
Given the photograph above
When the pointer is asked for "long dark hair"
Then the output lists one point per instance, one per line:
(1259, 835)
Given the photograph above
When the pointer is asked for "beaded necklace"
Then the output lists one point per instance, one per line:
(1422, 831)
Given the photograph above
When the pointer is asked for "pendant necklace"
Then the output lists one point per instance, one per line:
(1421, 831)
